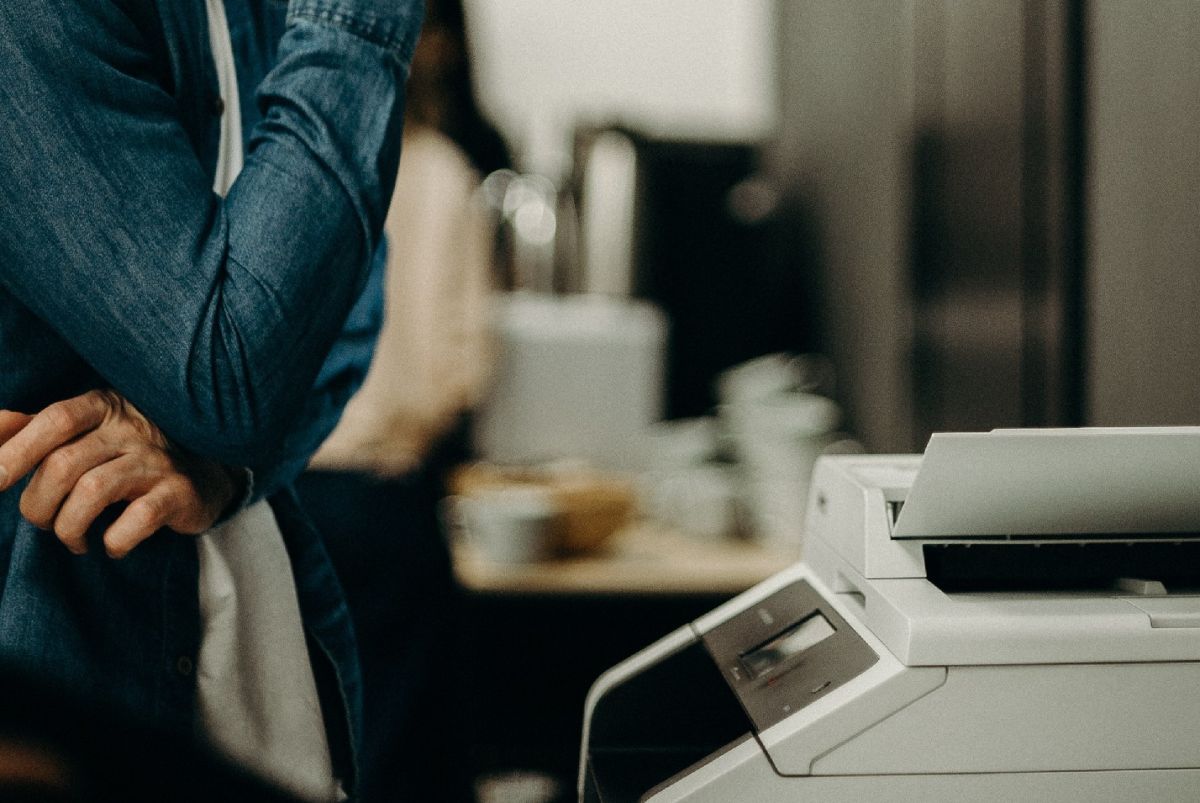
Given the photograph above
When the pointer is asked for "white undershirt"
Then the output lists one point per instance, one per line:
(256, 699)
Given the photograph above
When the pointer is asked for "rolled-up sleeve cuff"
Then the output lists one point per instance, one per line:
(395, 29)
(246, 495)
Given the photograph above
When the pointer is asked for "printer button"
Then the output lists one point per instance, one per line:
(1143, 588)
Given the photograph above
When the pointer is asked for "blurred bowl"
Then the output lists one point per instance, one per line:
(591, 510)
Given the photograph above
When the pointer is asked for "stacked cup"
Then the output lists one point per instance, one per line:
(777, 429)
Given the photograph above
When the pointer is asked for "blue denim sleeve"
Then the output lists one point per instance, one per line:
(340, 376)
(212, 316)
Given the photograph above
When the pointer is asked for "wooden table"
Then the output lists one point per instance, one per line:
(642, 559)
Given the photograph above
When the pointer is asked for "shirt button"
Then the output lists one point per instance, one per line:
(184, 665)
(219, 106)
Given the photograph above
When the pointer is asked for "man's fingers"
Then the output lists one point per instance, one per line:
(11, 423)
(55, 478)
(145, 516)
(49, 429)
(95, 450)
(115, 481)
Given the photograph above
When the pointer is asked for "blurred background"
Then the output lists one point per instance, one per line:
(982, 211)
(724, 238)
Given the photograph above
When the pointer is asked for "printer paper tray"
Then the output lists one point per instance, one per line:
(1054, 483)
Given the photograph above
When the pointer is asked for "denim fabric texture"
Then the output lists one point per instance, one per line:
(223, 320)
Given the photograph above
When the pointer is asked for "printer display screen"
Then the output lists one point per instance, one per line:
(796, 639)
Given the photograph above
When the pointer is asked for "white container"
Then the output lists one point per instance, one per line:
(778, 438)
(576, 377)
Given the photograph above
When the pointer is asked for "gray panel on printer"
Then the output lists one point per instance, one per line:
(815, 663)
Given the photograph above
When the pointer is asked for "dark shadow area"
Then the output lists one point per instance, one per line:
(56, 747)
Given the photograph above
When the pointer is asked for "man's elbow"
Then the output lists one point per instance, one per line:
(240, 427)
(250, 372)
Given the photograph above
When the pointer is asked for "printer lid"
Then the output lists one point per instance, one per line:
(1056, 482)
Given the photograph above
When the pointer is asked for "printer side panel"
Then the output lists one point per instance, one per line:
(717, 783)
(1051, 718)
(852, 502)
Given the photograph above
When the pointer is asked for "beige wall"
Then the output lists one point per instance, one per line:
(681, 68)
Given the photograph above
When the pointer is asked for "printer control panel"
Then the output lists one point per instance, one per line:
(785, 652)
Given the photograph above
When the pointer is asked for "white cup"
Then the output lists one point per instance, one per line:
(679, 444)
(511, 524)
(700, 501)
(777, 439)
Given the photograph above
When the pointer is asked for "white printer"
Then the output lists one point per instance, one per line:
(1013, 616)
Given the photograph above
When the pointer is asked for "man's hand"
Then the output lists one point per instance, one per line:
(96, 450)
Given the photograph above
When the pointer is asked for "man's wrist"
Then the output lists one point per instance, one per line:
(239, 485)
(222, 489)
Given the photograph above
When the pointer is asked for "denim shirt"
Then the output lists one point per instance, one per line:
(119, 267)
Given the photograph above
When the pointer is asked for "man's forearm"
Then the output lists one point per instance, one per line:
(211, 316)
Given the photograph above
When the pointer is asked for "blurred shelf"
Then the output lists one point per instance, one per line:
(644, 558)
